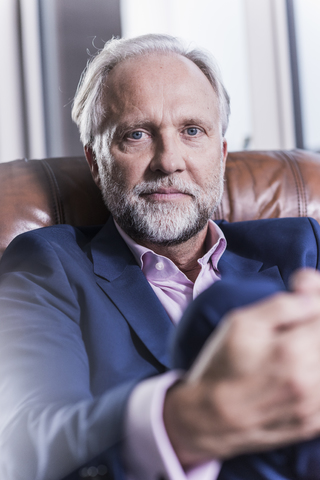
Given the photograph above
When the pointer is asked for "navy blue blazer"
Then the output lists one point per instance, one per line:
(80, 326)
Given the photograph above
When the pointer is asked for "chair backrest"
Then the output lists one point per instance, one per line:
(39, 193)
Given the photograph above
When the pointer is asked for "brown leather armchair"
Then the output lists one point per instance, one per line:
(39, 193)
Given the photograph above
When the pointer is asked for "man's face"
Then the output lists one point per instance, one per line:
(161, 160)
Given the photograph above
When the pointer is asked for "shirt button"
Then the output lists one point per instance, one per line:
(159, 266)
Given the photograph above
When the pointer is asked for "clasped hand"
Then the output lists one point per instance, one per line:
(256, 383)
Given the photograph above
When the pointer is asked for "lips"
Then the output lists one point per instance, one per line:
(167, 191)
(165, 194)
(164, 191)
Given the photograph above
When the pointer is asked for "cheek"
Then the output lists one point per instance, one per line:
(127, 169)
(135, 159)
(205, 168)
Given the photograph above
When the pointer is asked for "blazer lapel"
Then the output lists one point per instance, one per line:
(233, 265)
(119, 276)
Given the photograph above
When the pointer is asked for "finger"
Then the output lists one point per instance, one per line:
(305, 280)
(280, 311)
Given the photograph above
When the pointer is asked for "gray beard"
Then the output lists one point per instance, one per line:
(168, 223)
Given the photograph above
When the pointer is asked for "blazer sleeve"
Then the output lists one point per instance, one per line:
(50, 424)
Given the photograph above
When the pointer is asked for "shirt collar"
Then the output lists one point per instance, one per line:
(215, 245)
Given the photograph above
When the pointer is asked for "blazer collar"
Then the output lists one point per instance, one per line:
(233, 265)
(119, 276)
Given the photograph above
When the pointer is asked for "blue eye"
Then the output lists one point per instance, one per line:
(192, 131)
(136, 135)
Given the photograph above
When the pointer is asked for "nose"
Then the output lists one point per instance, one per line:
(168, 156)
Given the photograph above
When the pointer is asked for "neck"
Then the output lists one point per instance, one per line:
(184, 255)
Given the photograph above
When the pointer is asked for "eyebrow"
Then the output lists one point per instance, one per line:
(197, 121)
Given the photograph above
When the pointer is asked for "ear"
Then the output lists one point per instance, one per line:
(91, 159)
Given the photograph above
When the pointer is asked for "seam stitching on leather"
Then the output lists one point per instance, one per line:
(302, 186)
(289, 162)
(302, 201)
(56, 195)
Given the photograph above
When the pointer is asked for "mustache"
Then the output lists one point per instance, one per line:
(145, 188)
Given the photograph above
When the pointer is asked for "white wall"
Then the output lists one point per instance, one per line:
(307, 13)
(270, 74)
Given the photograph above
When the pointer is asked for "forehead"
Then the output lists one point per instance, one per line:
(156, 84)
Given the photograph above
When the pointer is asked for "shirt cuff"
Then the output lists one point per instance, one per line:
(148, 454)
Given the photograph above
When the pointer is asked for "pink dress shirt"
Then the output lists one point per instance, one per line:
(148, 454)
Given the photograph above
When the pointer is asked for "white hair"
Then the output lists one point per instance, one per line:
(89, 111)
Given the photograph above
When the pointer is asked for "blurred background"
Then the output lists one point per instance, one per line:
(267, 51)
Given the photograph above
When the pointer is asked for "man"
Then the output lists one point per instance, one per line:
(87, 313)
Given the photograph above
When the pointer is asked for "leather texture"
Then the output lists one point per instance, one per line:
(270, 184)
